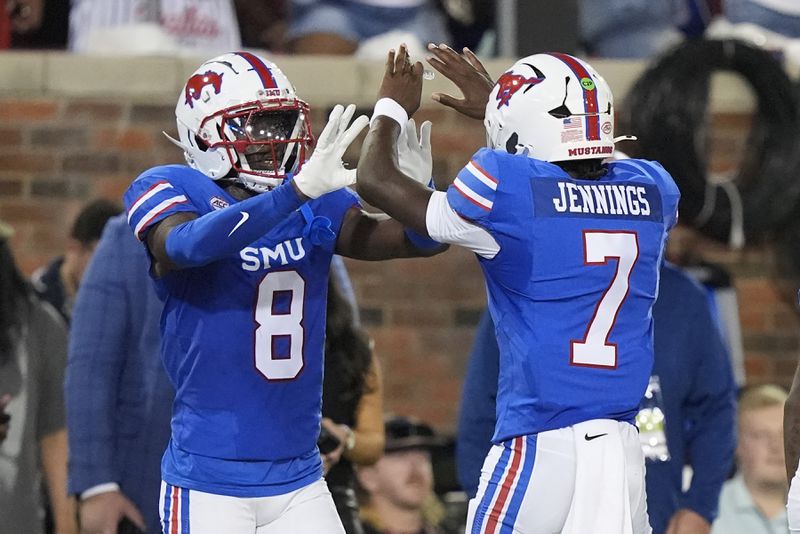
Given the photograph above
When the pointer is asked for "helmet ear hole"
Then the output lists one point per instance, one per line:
(201, 145)
(561, 112)
(511, 144)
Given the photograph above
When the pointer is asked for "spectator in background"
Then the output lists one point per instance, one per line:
(45, 26)
(779, 16)
(468, 21)
(190, 27)
(57, 283)
(352, 401)
(630, 28)
(263, 23)
(754, 501)
(33, 344)
(118, 396)
(397, 492)
(5, 26)
(698, 398)
(18, 18)
(341, 26)
(685, 248)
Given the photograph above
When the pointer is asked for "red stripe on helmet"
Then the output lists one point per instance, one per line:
(590, 103)
(261, 69)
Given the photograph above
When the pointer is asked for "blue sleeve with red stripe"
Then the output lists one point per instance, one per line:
(472, 193)
(152, 197)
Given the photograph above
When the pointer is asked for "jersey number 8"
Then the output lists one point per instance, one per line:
(279, 319)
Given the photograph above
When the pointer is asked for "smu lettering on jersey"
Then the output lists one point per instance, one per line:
(243, 341)
(572, 287)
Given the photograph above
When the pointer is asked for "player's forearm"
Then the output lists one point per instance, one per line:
(791, 426)
(370, 436)
(368, 449)
(378, 163)
(382, 184)
(224, 232)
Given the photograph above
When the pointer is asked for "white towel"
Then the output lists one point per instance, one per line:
(601, 500)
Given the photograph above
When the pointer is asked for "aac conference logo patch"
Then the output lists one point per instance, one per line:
(218, 203)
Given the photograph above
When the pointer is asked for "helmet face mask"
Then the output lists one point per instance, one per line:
(239, 117)
(551, 107)
(265, 140)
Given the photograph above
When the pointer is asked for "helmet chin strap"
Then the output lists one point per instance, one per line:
(625, 138)
(257, 182)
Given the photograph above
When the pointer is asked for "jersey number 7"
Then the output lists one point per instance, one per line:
(594, 350)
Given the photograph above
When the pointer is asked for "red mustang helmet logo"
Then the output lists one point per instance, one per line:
(195, 85)
(510, 83)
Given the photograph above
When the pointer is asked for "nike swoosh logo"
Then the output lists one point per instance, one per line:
(244, 218)
(587, 437)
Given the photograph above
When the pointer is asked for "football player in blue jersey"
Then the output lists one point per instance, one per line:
(570, 248)
(240, 242)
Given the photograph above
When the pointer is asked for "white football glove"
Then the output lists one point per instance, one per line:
(324, 171)
(414, 154)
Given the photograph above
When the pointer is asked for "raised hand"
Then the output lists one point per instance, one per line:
(414, 153)
(467, 72)
(402, 80)
(324, 171)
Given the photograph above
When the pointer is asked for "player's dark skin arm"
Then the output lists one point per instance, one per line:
(157, 242)
(363, 236)
(791, 426)
(376, 237)
(380, 181)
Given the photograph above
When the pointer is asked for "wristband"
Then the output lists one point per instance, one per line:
(106, 487)
(350, 442)
(388, 107)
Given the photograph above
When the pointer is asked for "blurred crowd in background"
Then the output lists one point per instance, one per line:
(606, 28)
(711, 467)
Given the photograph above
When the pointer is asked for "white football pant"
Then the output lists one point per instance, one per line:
(308, 510)
(587, 478)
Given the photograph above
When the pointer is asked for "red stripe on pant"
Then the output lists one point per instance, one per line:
(505, 488)
(174, 511)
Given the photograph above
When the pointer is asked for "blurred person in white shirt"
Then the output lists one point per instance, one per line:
(754, 501)
(153, 27)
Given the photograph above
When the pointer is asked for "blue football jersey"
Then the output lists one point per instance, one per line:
(572, 287)
(243, 341)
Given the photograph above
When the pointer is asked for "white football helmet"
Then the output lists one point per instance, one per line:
(554, 107)
(239, 117)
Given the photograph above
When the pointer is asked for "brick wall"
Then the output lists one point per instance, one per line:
(57, 151)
